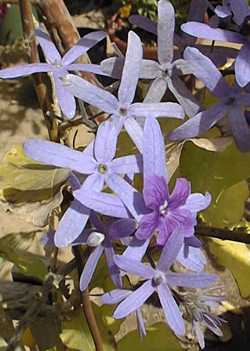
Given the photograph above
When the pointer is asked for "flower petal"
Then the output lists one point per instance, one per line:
(82, 46)
(154, 159)
(197, 202)
(134, 300)
(200, 123)
(242, 66)
(191, 280)
(240, 128)
(131, 69)
(165, 30)
(49, 49)
(136, 249)
(144, 23)
(24, 70)
(202, 30)
(91, 94)
(181, 192)
(90, 266)
(104, 203)
(183, 96)
(195, 261)
(131, 198)
(156, 91)
(171, 310)
(65, 99)
(127, 164)
(155, 191)
(134, 267)
(135, 131)
(105, 142)
(71, 224)
(170, 251)
(113, 268)
(240, 11)
(58, 155)
(147, 225)
(205, 70)
(162, 109)
(122, 228)
(85, 67)
(115, 296)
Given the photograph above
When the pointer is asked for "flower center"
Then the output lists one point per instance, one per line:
(167, 70)
(163, 208)
(231, 100)
(102, 168)
(123, 111)
(95, 239)
(158, 278)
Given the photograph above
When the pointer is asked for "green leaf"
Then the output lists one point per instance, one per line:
(158, 338)
(76, 334)
(223, 174)
(28, 188)
(235, 257)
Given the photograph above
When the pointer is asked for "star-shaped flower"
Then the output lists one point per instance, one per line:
(233, 103)
(161, 280)
(59, 66)
(164, 73)
(96, 161)
(121, 109)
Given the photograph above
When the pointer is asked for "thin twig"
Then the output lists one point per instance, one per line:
(223, 234)
(86, 304)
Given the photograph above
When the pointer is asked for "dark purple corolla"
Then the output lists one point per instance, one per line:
(167, 211)
(161, 280)
(100, 237)
(123, 112)
(59, 66)
(233, 102)
(97, 161)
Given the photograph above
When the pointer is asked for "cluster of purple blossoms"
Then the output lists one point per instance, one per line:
(108, 210)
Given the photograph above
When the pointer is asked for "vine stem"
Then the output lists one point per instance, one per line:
(86, 303)
(223, 234)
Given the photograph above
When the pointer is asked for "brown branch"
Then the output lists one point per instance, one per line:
(86, 303)
(223, 234)
(40, 87)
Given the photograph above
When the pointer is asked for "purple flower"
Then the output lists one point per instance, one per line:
(118, 295)
(238, 8)
(100, 238)
(167, 211)
(59, 66)
(161, 280)
(97, 162)
(121, 109)
(233, 103)
(165, 72)
(242, 65)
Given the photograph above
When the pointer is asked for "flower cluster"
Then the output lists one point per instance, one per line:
(108, 210)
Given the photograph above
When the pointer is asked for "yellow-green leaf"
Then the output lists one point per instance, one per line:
(236, 257)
